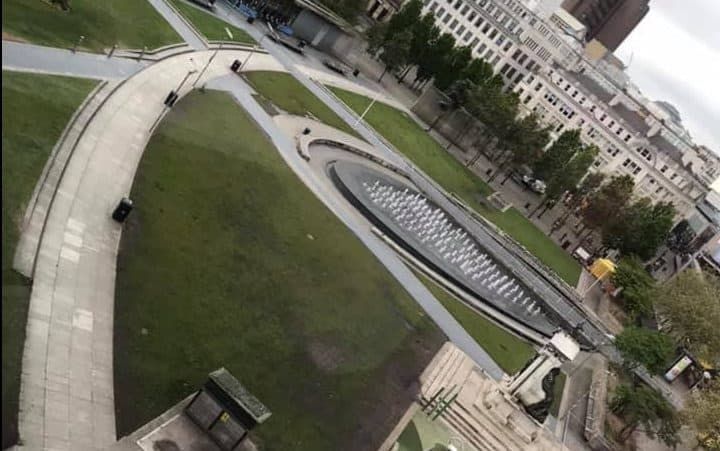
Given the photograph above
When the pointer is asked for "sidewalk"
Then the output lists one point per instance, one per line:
(66, 396)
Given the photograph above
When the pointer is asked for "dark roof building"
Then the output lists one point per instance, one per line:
(608, 21)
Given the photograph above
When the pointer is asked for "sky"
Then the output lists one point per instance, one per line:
(674, 55)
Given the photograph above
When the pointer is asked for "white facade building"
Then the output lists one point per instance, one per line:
(544, 62)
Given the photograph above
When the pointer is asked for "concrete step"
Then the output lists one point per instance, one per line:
(471, 432)
(46, 188)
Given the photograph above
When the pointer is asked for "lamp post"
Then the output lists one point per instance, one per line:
(229, 34)
(77, 44)
(357, 121)
(254, 47)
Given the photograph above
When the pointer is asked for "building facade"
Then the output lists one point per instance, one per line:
(545, 63)
(608, 21)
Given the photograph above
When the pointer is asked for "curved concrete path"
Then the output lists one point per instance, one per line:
(66, 396)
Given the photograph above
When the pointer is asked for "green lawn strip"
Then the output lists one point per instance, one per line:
(535, 241)
(510, 352)
(229, 260)
(290, 95)
(558, 394)
(409, 439)
(127, 23)
(36, 108)
(210, 26)
(409, 138)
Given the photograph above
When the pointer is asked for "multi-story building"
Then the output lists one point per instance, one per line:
(545, 62)
(608, 21)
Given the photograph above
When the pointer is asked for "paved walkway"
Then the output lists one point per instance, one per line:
(179, 25)
(36, 58)
(66, 397)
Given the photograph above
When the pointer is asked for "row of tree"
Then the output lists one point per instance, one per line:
(690, 304)
(409, 40)
(633, 226)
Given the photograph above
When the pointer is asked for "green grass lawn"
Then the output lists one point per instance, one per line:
(288, 94)
(210, 26)
(36, 108)
(229, 260)
(558, 394)
(505, 348)
(422, 434)
(404, 133)
(128, 23)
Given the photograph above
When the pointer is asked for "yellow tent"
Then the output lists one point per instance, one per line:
(602, 268)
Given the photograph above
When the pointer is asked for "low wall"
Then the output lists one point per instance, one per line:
(597, 409)
(457, 126)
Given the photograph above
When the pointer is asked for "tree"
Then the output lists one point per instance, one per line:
(641, 228)
(556, 158)
(637, 286)
(580, 194)
(562, 167)
(478, 71)
(458, 95)
(703, 414)
(640, 346)
(455, 63)
(569, 178)
(375, 37)
(435, 57)
(691, 304)
(424, 31)
(681, 236)
(395, 52)
(606, 203)
(643, 406)
(403, 20)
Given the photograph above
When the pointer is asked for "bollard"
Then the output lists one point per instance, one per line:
(142, 53)
(77, 44)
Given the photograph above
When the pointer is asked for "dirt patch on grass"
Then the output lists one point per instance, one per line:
(325, 356)
(11, 37)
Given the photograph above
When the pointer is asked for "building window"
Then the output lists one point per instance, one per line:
(446, 18)
(507, 46)
(460, 30)
(464, 10)
(495, 61)
(516, 55)
(493, 34)
(479, 22)
(500, 40)
(472, 16)
(453, 24)
(505, 68)
(474, 42)
(457, 4)
(440, 12)
(519, 78)
(481, 48)
(486, 28)
(467, 37)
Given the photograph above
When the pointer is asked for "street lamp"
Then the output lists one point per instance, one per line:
(77, 44)
(357, 121)
(229, 34)
(254, 47)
